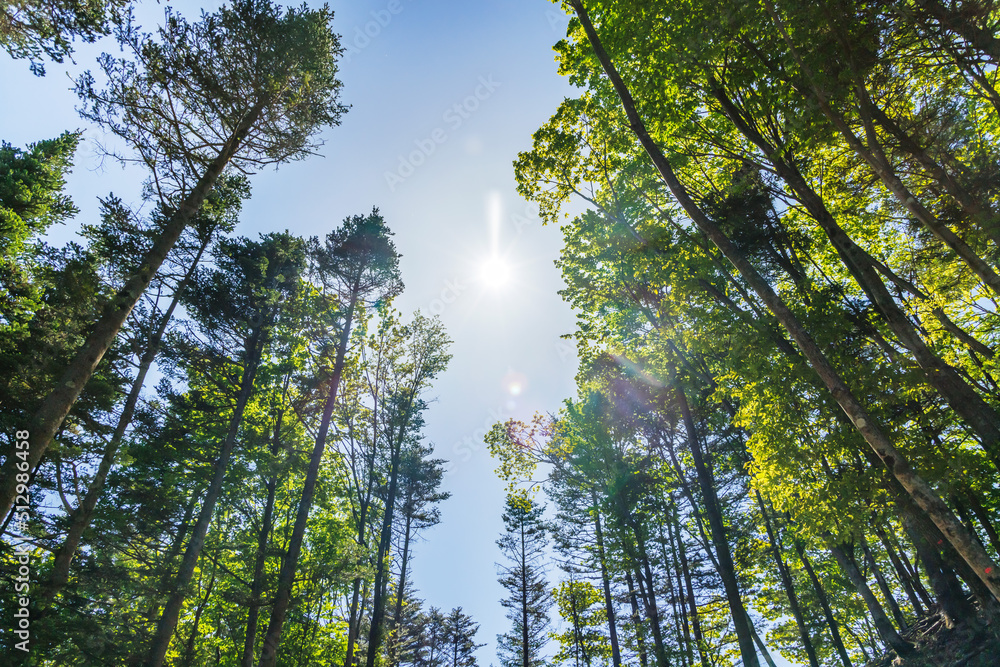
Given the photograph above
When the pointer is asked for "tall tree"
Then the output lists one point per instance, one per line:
(523, 576)
(245, 87)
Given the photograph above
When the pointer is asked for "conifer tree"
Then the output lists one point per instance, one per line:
(523, 575)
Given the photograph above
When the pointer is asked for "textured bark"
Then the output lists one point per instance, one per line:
(894, 461)
(56, 406)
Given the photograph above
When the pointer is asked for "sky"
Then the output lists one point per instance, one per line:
(443, 96)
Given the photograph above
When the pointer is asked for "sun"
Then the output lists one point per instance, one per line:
(495, 273)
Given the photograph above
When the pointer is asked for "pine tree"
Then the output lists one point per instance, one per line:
(523, 576)
(460, 639)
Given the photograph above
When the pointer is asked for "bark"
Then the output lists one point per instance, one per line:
(377, 630)
(80, 518)
(263, 538)
(877, 161)
(171, 611)
(56, 406)
(640, 635)
(786, 580)
(286, 575)
(897, 464)
(979, 212)
(981, 39)
(727, 570)
(680, 609)
(947, 590)
(401, 585)
(692, 602)
(984, 519)
(902, 574)
(189, 648)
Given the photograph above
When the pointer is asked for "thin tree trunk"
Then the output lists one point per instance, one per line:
(897, 464)
(609, 605)
(962, 398)
(286, 575)
(984, 519)
(376, 632)
(80, 519)
(902, 574)
(257, 585)
(640, 635)
(727, 570)
(824, 603)
(692, 602)
(786, 580)
(883, 586)
(54, 408)
(168, 619)
(877, 613)
(189, 648)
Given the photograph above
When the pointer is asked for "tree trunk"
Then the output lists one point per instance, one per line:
(786, 580)
(824, 603)
(640, 636)
(692, 602)
(883, 585)
(80, 519)
(897, 464)
(727, 570)
(171, 612)
(53, 410)
(875, 610)
(286, 575)
(376, 632)
(609, 604)
(902, 574)
(257, 584)
(961, 397)
(984, 519)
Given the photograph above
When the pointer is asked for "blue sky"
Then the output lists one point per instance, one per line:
(443, 96)
(409, 63)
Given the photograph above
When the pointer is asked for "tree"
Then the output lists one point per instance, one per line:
(242, 88)
(523, 576)
(460, 639)
(583, 643)
(355, 268)
(33, 28)
(240, 303)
